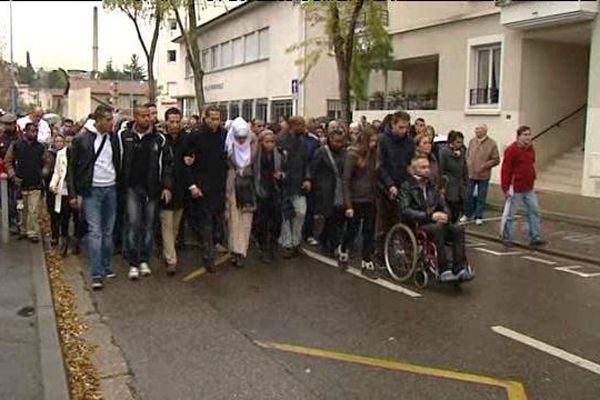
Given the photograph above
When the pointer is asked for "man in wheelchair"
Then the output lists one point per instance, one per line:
(421, 203)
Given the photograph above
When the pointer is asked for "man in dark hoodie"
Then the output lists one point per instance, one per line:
(396, 150)
(206, 173)
(146, 178)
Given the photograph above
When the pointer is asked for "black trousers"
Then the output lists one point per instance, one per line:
(59, 222)
(365, 213)
(331, 234)
(441, 234)
(268, 223)
(203, 221)
(456, 209)
(309, 221)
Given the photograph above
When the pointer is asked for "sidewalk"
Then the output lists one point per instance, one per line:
(565, 239)
(30, 355)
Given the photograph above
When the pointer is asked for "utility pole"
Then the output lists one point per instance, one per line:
(14, 93)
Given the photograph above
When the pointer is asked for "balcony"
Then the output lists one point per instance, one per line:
(539, 14)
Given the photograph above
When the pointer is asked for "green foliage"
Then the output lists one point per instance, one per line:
(371, 50)
(113, 74)
(134, 70)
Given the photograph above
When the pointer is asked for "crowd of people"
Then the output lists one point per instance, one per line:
(124, 184)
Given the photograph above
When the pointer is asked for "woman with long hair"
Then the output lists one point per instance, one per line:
(424, 147)
(359, 183)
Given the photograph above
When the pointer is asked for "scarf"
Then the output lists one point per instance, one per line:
(239, 153)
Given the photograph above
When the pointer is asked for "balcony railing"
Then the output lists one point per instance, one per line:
(484, 96)
(400, 101)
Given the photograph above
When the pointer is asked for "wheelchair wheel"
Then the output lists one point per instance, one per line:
(400, 252)
(421, 278)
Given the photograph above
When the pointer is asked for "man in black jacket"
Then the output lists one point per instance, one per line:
(171, 213)
(421, 203)
(146, 178)
(206, 172)
(92, 177)
(24, 164)
(296, 183)
(395, 150)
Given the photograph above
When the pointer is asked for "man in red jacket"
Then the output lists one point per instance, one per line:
(517, 180)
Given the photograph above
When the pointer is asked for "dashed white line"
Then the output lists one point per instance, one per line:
(497, 253)
(548, 349)
(353, 271)
(540, 260)
(572, 269)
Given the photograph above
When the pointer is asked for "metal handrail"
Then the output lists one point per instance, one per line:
(560, 121)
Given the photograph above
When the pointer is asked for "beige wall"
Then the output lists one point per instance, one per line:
(549, 96)
(409, 14)
(591, 168)
(80, 103)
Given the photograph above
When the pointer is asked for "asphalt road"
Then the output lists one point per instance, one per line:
(199, 339)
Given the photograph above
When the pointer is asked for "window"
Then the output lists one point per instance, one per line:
(172, 24)
(250, 47)
(263, 43)
(281, 108)
(238, 51)
(223, 108)
(189, 107)
(225, 54)
(261, 109)
(205, 60)
(334, 109)
(172, 55)
(214, 57)
(485, 82)
(247, 108)
(234, 109)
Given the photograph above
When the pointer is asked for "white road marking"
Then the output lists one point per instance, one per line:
(497, 253)
(572, 269)
(546, 348)
(356, 272)
(540, 260)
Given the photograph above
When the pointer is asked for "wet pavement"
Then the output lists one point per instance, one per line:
(568, 238)
(201, 339)
(20, 376)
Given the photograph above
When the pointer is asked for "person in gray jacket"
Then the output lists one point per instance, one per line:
(454, 174)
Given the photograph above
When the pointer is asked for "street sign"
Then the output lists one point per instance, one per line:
(294, 86)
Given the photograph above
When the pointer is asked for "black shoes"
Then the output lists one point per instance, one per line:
(537, 243)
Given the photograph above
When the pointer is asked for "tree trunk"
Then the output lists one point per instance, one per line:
(151, 83)
(344, 89)
(199, 88)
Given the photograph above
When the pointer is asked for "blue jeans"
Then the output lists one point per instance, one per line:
(533, 216)
(140, 214)
(291, 230)
(100, 209)
(475, 205)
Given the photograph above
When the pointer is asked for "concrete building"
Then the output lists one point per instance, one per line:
(249, 71)
(506, 64)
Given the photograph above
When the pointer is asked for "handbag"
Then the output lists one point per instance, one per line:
(245, 191)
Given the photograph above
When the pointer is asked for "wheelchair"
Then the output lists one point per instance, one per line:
(408, 253)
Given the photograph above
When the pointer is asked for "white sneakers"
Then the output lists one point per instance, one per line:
(478, 222)
(463, 219)
(134, 273)
(145, 269)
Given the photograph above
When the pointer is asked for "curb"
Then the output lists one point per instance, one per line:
(52, 364)
(556, 253)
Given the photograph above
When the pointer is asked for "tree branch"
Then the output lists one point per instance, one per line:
(351, 30)
(134, 19)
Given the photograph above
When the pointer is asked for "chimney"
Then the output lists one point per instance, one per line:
(95, 45)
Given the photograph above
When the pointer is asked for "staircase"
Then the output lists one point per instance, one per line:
(564, 173)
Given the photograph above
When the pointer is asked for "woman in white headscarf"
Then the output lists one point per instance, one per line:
(240, 146)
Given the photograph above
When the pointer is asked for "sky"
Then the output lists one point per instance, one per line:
(59, 33)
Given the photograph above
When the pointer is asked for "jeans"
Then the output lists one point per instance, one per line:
(475, 205)
(533, 215)
(364, 212)
(100, 209)
(291, 230)
(140, 212)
